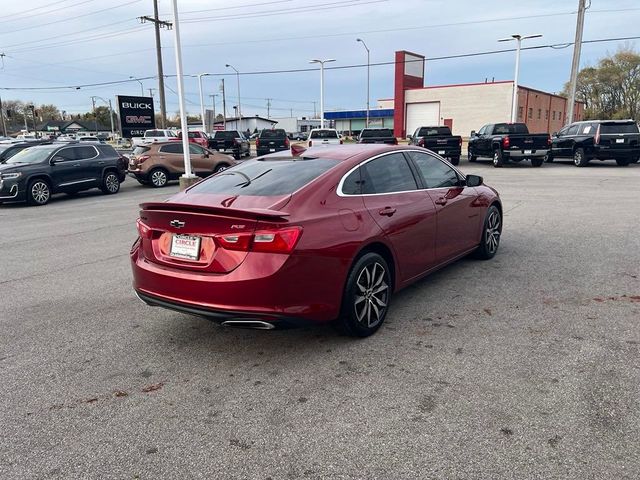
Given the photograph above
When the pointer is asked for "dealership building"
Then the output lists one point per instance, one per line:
(463, 107)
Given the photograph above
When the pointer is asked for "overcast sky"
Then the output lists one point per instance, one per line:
(64, 43)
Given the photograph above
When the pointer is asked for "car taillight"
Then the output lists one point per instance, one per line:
(460, 142)
(597, 138)
(286, 142)
(142, 158)
(506, 143)
(310, 143)
(257, 142)
(421, 142)
(548, 141)
(143, 230)
(267, 241)
(236, 141)
(341, 141)
(395, 141)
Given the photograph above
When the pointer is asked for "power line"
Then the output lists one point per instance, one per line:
(340, 67)
(75, 17)
(40, 12)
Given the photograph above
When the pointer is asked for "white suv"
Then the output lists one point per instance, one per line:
(324, 136)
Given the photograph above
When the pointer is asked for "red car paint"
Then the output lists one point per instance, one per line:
(251, 266)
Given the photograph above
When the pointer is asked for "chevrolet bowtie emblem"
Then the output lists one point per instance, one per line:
(176, 223)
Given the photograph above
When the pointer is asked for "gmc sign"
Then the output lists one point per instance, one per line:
(136, 115)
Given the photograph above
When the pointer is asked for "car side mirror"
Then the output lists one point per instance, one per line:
(474, 180)
(473, 133)
(206, 154)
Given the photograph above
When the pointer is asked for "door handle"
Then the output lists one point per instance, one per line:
(388, 211)
(76, 164)
(441, 201)
(101, 163)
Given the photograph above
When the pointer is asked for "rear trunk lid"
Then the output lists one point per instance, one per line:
(618, 135)
(192, 235)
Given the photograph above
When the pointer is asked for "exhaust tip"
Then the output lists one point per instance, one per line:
(254, 324)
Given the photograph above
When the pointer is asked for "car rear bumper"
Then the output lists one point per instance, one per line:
(445, 151)
(604, 153)
(521, 155)
(267, 150)
(266, 287)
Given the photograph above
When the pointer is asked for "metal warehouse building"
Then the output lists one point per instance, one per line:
(462, 107)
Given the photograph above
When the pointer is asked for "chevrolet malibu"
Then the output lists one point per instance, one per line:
(322, 235)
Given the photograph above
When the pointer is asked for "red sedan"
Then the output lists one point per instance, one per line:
(326, 235)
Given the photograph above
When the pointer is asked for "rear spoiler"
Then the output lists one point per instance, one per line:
(256, 213)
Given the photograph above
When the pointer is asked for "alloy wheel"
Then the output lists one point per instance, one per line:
(40, 192)
(577, 158)
(493, 231)
(111, 183)
(159, 178)
(495, 158)
(372, 294)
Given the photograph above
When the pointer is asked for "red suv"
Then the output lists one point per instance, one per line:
(327, 235)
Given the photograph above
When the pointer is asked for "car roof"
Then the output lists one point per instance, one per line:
(343, 152)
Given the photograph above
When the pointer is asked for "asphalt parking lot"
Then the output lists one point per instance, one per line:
(524, 366)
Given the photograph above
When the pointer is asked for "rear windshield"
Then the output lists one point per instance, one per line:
(140, 150)
(379, 132)
(500, 128)
(265, 177)
(277, 133)
(618, 128)
(154, 133)
(433, 131)
(324, 134)
(226, 134)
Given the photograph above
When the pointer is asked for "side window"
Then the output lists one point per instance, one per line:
(352, 185)
(573, 130)
(67, 154)
(387, 174)
(197, 149)
(436, 173)
(171, 148)
(563, 131)
(85, 153)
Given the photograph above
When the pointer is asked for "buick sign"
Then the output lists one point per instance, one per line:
(136, 115)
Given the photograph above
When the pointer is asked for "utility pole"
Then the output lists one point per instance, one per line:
(213, 104)
(151, 90)
(268, 107)
(575, 63)
(224, 106)
(4, 126)
(368, 76)
(95, 117)
(158, 24)
(315, 115)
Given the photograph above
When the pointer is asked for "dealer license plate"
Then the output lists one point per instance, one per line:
(440, 152)
(619, 140)
(527, 152)
(272, 149)
(185, 246)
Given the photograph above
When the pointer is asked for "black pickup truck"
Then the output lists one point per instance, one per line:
(439, 140)
(377, 135)
(617, 140)
(272, 140)
(230, 141)
(508, 142)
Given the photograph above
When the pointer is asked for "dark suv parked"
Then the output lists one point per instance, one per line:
(617, 140)
(272, 140)
(230, 141)
(35, 173)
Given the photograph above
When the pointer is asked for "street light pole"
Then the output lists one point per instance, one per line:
(200, 75)
(95, 117)
(322, 62)
(239, 103)
(368, 76)
(575, 62)
(141, 85)
(213, 104)
(514, 102)
(188, 178)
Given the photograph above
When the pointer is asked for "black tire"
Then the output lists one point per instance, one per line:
(38, 192)
(537, 162)
(498, 159)
(366, 297)
(454, 160)
(491, 232)
(221, 167)
(635, 159)
(158, 177)
(110, 183)
(236, 155)
(622, 162)
(580, 159)
(472, 158)
(548, 158)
